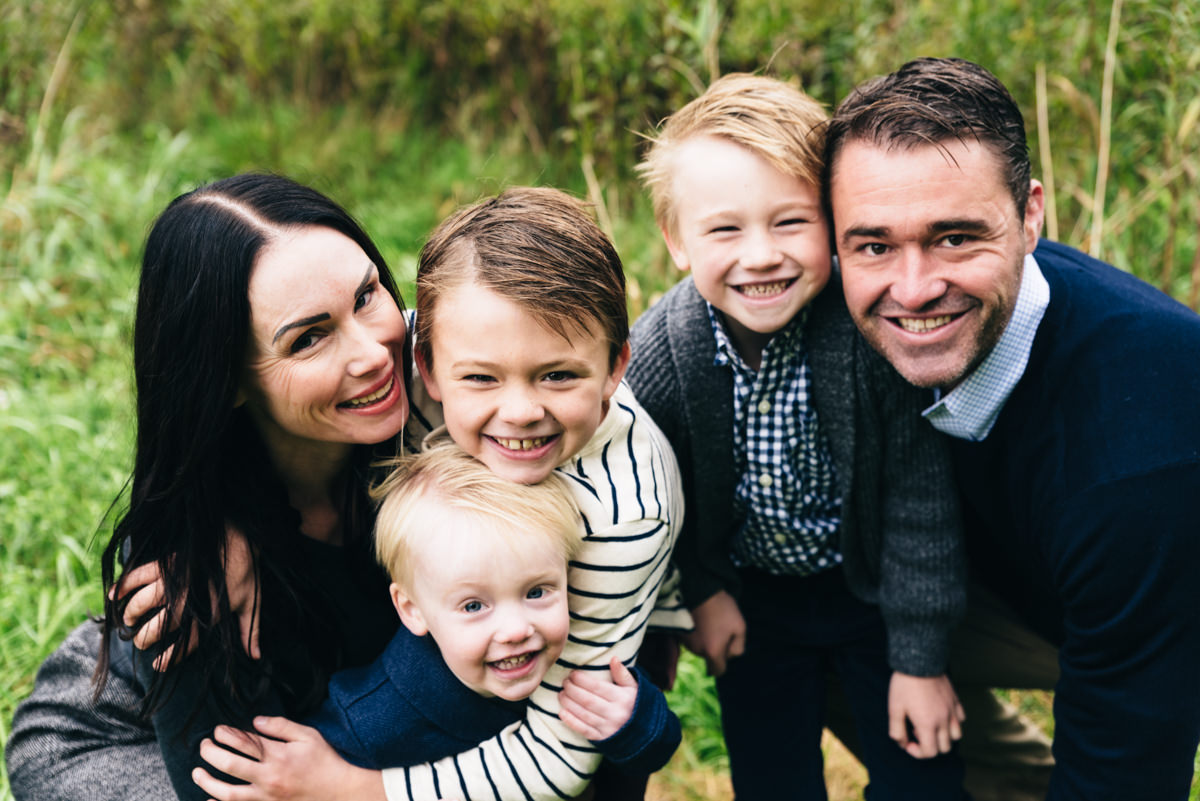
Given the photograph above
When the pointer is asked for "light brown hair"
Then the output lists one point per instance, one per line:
(537, 247)
(768, 117)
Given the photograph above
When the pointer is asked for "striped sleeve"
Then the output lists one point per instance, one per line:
(627, 485)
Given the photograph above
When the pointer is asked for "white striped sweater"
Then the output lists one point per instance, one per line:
(627, 485)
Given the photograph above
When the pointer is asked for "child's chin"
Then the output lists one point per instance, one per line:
(520, 691)
(522, 472)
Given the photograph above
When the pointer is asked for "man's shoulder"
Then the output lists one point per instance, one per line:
(1114, 371)
(1100, 290)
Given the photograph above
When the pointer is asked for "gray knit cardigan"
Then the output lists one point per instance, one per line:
(900, 536)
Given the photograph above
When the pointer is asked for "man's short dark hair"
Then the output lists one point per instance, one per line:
(930, 101)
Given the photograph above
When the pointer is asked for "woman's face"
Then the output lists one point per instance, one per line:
(325, 358)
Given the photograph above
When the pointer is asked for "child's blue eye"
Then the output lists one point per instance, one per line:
(473, 606)
(535, 593)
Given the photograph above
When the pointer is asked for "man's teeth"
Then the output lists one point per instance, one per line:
(366, 400)
(761, 290)
(921, 325)
(512, 662)
(522, 444)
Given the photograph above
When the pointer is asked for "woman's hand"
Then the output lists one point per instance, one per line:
(282, 761)
(146, 596)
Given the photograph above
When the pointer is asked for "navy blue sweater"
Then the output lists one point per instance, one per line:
(407, 707)
(1083, 511)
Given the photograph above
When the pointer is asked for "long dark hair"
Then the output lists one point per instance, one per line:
(200, 463)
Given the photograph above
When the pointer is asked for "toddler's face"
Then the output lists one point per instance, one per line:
(499, 617)
(516, 395)
(755, 239)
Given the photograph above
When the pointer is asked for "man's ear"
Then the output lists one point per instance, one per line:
(410, 615)
(678, 254)
(1035, 214)
(427, 378)
(617, 372)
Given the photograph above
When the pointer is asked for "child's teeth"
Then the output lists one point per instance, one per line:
(523, 444)
(758, 290)
(513, 661)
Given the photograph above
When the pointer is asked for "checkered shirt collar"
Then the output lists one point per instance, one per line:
(789, 337)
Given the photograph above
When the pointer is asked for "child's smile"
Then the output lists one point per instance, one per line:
(516, 395)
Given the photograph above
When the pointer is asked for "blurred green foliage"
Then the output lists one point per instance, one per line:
(569, 82)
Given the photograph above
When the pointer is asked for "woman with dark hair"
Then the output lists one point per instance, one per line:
(270, 361)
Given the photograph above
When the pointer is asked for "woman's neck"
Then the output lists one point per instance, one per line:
(311, 476)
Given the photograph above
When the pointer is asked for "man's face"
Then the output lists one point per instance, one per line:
(931, 249)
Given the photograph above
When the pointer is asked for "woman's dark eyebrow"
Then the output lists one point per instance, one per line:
(316, 318)
(366, 279)
(319, 318)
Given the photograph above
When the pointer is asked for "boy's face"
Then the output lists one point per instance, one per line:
(498, 617)
(755, 239)
(516, 395)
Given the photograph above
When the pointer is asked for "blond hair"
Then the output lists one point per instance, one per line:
(537, 247)
(443, 479)
(768, 117)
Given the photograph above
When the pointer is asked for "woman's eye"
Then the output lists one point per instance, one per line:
(473, 606)
(535, 593)
(364, 298)
(305, 341)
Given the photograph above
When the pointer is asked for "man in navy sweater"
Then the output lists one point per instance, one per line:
(1072, 393)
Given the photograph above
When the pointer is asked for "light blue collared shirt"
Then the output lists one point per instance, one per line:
(970, 410)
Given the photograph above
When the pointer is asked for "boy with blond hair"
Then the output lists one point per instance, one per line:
(817, 499)
(479, 564)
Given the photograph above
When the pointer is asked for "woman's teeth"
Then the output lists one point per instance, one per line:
(367, 400)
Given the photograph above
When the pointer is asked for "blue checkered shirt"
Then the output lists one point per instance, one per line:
(786, 496)
(970, 410)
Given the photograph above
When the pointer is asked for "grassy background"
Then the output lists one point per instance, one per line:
(402, 109)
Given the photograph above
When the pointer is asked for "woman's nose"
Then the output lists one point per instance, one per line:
(367, 353)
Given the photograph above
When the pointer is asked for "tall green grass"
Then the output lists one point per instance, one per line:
(403, 109)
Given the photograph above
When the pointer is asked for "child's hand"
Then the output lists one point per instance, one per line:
(932, 708)
(282, 760)
(595, 707)
(146, 595)
(720, 633)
